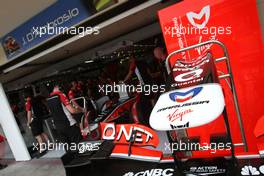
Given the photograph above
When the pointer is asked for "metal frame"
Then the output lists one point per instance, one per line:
(84, 107)
(229, 75)
(79, 98)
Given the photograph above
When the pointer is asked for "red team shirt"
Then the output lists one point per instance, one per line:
(28, 104)
(65, 101)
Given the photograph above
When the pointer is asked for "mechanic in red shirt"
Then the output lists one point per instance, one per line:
(28, 108)
(76, 92)
(64, 121)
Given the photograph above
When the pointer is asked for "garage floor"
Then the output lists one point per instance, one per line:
(36, 167)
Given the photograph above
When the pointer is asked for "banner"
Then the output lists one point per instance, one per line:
(63, 13)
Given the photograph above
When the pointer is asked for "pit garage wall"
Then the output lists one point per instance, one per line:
(11, 129)
(2, 56)
(8, 123)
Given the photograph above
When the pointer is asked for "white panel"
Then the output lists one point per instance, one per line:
(11, 129)
(187, 107)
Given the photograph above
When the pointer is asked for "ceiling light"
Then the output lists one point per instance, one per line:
(88, 61)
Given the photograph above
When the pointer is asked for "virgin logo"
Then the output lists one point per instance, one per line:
(203, 49)
(178, 115)
(189, 75)
(199, 20)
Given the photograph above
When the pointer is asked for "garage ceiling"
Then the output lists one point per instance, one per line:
(65, 55)
(17, 12)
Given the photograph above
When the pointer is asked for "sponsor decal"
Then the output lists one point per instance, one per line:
(184, 96)
(187, 83)
(129, 174)
(198, 63)
(10, 45)
(191, 28)
(123, 133)
(89, 147)
(180, 126)
(205, 12)
(195, 74)
(206, 170)
(152, 172)
(203, 49)
(199, 20)
(177, 114)
(187, 107)
(188, 73)
(184, 105)
(251, 170)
